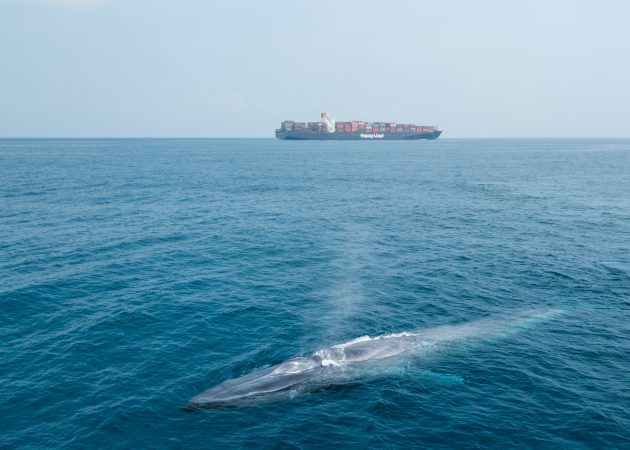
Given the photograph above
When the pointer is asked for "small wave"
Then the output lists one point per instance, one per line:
(617, 267)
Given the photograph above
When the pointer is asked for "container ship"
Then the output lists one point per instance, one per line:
(329, 129)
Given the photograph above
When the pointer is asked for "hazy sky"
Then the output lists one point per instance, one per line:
(475, 68)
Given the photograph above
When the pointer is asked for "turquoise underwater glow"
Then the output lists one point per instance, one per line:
(135, 274)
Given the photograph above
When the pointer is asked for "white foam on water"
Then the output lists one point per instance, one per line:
(331, 356)
(354, 341)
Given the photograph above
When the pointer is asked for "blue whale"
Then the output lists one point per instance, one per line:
(364, 356)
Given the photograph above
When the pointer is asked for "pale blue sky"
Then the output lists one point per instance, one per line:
(499, 68)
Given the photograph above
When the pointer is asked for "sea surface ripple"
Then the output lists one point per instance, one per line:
(136, 273)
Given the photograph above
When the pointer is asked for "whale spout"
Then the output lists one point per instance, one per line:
(357, 358)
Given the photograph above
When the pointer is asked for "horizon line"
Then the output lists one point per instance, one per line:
(274, 138)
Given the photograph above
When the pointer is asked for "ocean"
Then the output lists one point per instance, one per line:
(137, 273)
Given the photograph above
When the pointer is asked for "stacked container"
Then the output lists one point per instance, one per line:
(355, 127)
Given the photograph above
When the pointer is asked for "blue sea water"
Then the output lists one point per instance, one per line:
(135, 274)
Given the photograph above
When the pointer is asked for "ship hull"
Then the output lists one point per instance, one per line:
(358, 136)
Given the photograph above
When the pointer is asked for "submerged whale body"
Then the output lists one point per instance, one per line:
(351, 360)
